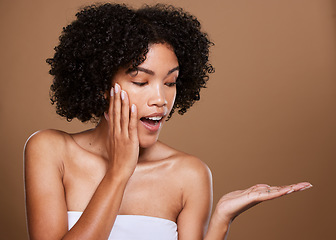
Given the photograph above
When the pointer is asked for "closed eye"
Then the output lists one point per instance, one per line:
(170, 84)
(140, 84)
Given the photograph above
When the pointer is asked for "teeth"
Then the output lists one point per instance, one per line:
(155, 118)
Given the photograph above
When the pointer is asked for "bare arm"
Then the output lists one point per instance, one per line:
(197, 200)
(45, 196)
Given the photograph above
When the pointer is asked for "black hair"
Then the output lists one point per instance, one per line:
(106, 37)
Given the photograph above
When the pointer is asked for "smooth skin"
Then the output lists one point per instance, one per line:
(120, 167)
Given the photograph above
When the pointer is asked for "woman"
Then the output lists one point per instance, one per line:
(129, 70)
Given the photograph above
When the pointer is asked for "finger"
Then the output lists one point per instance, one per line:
(295, 187)
(275, 192)
(116, 109)
(124, 112)
(133, 124)
(300, 186)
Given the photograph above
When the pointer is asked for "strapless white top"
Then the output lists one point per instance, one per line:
(136, 227)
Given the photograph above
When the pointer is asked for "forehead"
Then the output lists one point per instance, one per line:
(160, 60)
(160, 56)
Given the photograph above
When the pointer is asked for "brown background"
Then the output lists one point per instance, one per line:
(268, 115)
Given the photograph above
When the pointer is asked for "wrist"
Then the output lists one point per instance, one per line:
(218, 227)
(117, 177)
(120, 169)
(220, 218)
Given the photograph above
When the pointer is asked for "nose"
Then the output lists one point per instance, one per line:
(157, 96)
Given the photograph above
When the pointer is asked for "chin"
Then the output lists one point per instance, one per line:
(148, 141)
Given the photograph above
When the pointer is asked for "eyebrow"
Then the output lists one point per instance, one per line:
(173, 70)
(150, 72)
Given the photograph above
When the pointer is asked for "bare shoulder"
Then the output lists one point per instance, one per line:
(47, 136)
(44, 170)
(195, 182)
(193, 166)
(188, 166)
(45, 144)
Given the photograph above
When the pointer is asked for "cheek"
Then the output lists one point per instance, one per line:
(132, 97)
(171, 99)
(135, 97)
(131, 92)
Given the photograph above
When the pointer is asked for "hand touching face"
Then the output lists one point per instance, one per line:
(152, 88)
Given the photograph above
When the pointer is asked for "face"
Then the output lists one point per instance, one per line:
(152, 88)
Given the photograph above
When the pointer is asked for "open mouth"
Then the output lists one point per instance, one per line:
(151, 120)
(152, 123)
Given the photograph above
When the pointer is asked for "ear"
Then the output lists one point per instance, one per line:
(106, 95)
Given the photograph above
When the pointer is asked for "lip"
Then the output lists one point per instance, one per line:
(157, 114)
(151, 127)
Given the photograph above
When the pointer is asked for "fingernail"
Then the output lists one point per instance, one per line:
(116, 88)
(290, 191)
(112, 92)
(122, 94)
(133, 108)
(309, 186)
(105, 115)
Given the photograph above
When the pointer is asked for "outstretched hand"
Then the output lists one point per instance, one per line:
(234, 203)
(123, 142)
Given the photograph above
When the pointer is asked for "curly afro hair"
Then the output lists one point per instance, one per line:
(106, 37)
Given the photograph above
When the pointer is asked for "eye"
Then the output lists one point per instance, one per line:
(140, 84)
(170, 84)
